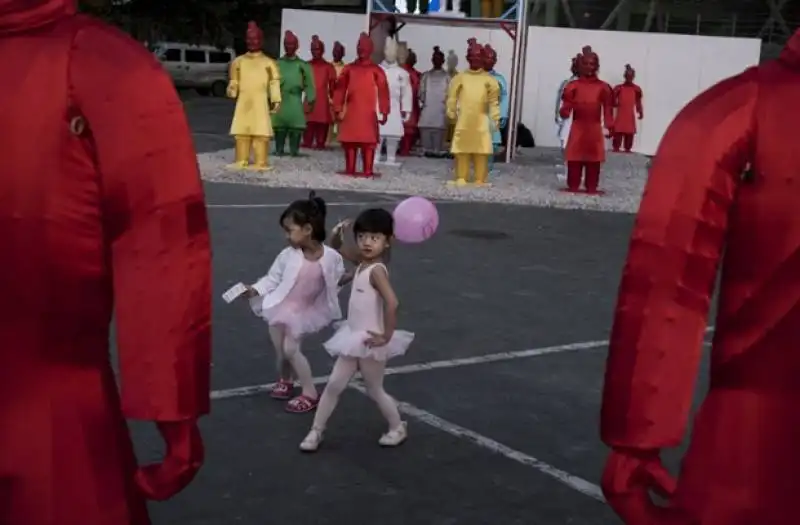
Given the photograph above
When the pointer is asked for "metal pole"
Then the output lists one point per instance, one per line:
(768, 25)
(474, 8)
(537, 6)
(551, 13)
(775, 10)
(369, 17)
(523, 68)
(568, 13)
(614, 14)
(517, 78)
(697, 28)
(651, 14)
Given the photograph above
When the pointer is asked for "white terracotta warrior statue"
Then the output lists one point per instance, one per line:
(432, 98)
(401, 101)
(452, 70)
(452, 63)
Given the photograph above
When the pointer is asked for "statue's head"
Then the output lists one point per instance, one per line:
(402, 52)
(574, 65)
(437, 58)
(474, 54)
(588, 62)
(254, 37)
(411, 60)
(452, 60)
(630, 74)
(489, 57)
(338, 51)
(365, 47)
(390, 50)
(317, 48)
(290, 43)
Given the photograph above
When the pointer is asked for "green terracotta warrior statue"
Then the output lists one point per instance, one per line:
(296, 79)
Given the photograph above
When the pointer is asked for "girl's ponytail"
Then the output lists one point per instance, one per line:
(318, 203)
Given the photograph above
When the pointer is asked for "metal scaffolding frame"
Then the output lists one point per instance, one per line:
(514, 22)
(740, 18)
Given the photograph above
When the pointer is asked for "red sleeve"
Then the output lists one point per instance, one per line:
(414, 78)
(669, 275)
(340, 93)
(331, 79)
(155, 221)
(639, 97)
(382, 84)
(608, 107)
(615, 96)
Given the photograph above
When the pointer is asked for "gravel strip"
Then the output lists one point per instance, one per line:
(532, 180)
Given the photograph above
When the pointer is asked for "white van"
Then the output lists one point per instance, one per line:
(204, 68)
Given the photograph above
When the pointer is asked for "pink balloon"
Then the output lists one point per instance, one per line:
(415, 220)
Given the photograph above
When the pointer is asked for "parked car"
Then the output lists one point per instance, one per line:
(204, 68)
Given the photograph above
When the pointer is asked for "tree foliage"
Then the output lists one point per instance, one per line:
(191, 21)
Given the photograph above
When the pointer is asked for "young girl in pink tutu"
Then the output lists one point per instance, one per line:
(368, 338)
(299, 296)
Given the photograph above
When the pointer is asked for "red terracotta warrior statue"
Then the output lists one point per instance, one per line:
(338, 56)
(628, 104)
(720, 206)
(411, 125)
(102, 216)
(338, 64)
(362, 86)
(588, 102)
(318, 120)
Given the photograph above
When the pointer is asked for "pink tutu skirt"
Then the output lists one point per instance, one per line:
(298, 320)
(351, 343)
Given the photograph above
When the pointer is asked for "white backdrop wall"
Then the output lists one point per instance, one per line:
(671, 69)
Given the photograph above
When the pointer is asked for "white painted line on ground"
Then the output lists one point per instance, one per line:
(432, 365)
(246, 391)
(328, 204)
(252, 390)
(574, 482)
(283, 205)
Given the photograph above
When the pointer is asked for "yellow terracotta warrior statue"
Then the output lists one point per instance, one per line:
(256, 85)
(473, 102)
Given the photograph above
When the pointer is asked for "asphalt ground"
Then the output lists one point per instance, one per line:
(511, 306)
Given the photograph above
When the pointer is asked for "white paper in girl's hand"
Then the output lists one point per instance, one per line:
(234, 292)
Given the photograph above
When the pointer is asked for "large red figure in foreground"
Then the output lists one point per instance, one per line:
(362, 89)
(725, 178)
(101, 212)
(588, 101)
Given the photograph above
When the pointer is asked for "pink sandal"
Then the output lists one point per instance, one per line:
(302, 404)
(282, 390)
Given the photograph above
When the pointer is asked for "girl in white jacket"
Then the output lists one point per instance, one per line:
(299, 296)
